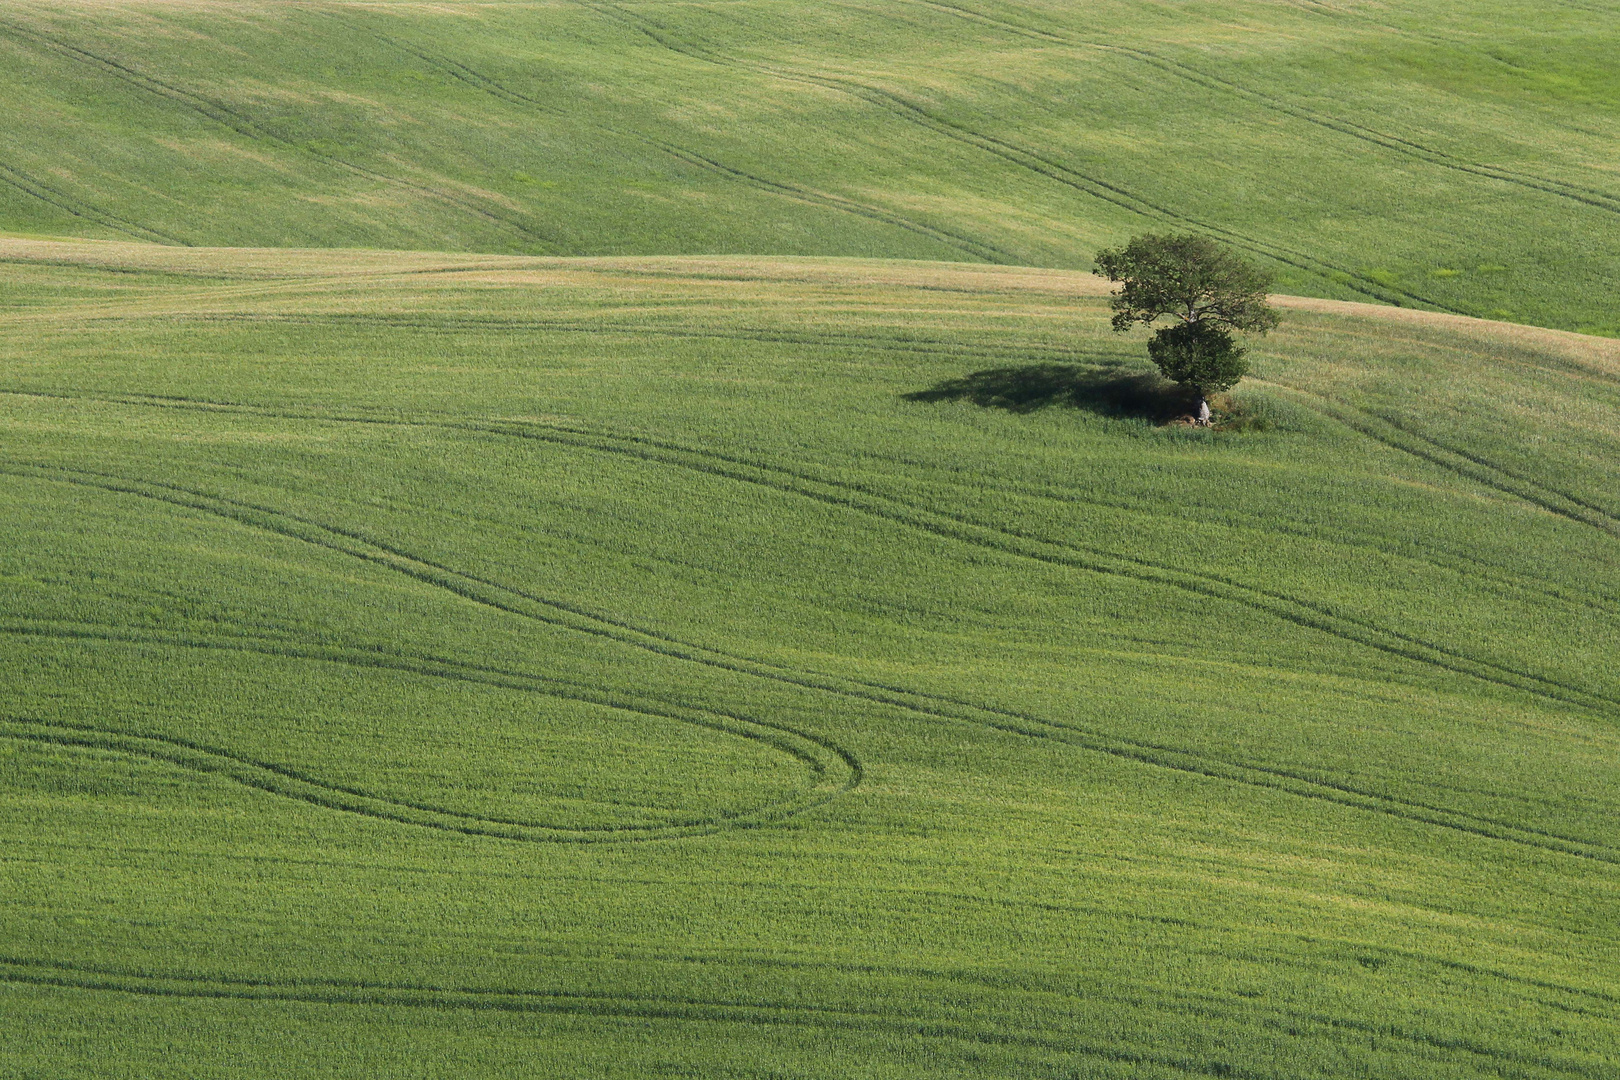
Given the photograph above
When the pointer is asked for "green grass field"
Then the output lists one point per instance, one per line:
(482, 665)
(588, 539)
(1443, 154)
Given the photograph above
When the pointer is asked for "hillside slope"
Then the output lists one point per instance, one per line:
(1458, 156)
(486, 665)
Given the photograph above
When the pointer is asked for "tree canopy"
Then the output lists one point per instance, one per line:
(1211, 290)
(1189, 277)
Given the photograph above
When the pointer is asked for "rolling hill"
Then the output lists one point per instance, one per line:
(1445, 155)
(431, 664)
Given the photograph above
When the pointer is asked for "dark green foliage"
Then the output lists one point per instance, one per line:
(1198, 355)
(1190, 278)
(1209, 288)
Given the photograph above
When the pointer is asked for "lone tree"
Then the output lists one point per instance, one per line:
(1211, 290)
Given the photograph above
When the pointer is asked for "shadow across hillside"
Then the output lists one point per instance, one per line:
(1108, 390)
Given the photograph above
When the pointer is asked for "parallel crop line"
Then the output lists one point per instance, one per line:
(457, 324)
(477, 80)
(911, 1022)
(1591, 197)
(1471, 466)
(32, 185)
(224, 115)
(513, 601)
(831, 781)
(978, 249)
(1025, 159)
(624, 1005)
(1597, 515)
(1000, 538)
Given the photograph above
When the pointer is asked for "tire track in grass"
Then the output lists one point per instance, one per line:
(1291, 609)
(1587, 196)
(444, 65)
(32, 185)
(1425, 1039)
(478, 81)
(1029, 160)
(866, 499)
(1372, 425)
(224, 115)
(1584, 509)
(516, 602)
(978, 249)
(1390, 431)
(1199, 582)
(910, 1022)
(1129, 749)
(269, 777)
(1401, 435)
(1466, 563)
(1205, 1003)
(767, 1014)
(924, 346)
(834, 770)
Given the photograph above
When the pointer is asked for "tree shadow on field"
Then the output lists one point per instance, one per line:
(1108, 390)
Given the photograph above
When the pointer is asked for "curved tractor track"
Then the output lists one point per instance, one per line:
(1021, 156)
(855, 498)
(832, 769)
(920, 1019)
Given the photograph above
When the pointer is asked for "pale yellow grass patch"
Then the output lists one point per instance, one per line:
(215, 149)
(1602, 354)
(843, 279)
